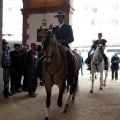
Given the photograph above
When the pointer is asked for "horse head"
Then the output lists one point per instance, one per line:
(48, 43)
(99, 53)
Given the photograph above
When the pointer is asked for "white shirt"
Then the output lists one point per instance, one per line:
(61, 25)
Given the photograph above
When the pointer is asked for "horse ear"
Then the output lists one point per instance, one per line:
(42, 31)
(53, 30)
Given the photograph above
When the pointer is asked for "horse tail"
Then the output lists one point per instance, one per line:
(74, 88)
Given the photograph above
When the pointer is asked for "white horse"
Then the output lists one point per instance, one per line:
(97, 65)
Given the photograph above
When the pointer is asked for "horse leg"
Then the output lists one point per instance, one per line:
(106, 74)
(74, 89)
(101, 80)
(91, 91)
(48, 91)
(59, 101)
(71, 95)
(67, 86)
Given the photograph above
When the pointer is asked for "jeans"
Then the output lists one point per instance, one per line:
(32, 81)
(6, 77)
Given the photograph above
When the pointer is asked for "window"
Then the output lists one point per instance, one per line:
(115, 22)
(10, 9)
(93, 22)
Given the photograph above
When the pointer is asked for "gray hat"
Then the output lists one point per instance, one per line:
(61, 13)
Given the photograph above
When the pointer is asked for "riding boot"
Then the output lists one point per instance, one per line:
(106, 61)
(88, 63)
(72, 74)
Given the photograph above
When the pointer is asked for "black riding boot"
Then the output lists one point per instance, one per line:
(71, 67)
(106, 61)
(88, 61)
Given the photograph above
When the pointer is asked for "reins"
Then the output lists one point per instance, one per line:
(97, 60)
(52, 75)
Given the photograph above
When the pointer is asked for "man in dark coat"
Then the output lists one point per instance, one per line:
(16, 69)
(94, 46)
(31, 64)
(64, 35)
(115, 66)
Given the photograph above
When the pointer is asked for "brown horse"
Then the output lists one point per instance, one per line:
(54, 72)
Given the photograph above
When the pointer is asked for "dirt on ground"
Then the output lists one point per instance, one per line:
(101, 105)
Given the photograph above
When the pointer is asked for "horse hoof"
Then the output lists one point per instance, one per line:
(100, 88)
(65, 110)
(66, 91)
(72, 101)
(67, 106)
(46, 118)
(104, 85)
(91, 91)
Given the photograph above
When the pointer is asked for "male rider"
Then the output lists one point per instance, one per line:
(94, 46)
(64, 35)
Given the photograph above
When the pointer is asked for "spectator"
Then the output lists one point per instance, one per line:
(31, 64)
(6, 68)
(115, 66)
(16, 73)
(82, 62)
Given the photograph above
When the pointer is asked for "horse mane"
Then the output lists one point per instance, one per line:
(46, 42)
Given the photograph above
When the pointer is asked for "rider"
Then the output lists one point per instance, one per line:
(94, 46)
(64, 35)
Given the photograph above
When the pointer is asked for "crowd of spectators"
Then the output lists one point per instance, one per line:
(19, 69)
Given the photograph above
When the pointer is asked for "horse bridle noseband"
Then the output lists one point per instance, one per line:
(52, 50)
(98, 60)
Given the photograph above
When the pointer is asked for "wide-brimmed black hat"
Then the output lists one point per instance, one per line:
(100, 34)
(61, 13)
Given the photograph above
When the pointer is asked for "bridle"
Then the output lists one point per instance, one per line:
(51, 56)
(99, 59)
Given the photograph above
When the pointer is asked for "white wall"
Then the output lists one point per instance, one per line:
(35, 21)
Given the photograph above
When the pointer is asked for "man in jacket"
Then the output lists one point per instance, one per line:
(115, 66)
(94, 46)
(31, 64)
(6, 64)
(64, 35)
(17, 67)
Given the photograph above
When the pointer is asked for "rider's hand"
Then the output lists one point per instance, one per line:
(61, 41)
(50, 27)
